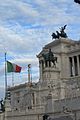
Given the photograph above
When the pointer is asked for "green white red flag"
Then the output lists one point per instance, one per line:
(11, 67)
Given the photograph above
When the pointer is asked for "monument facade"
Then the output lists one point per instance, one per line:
(57, 94)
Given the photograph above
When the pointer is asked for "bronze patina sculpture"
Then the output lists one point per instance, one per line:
(60, 34)
(49, 57)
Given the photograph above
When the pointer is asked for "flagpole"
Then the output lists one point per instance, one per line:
(12, 79)
(28, 74)
(31, 75)
(5, 78)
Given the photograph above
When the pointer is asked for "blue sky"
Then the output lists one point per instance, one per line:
(26, 26)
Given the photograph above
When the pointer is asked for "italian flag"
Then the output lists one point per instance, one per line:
(11, 67)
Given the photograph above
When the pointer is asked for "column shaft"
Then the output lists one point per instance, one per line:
(78, 65)
(73, 67)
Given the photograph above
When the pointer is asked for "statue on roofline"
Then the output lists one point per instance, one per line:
(49, 57)
(60, 34)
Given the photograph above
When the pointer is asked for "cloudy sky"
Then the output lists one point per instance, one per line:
(26, 26)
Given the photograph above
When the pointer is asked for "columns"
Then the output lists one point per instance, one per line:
(78, 65)
(41, 65)
(71, 61)
(74, 65)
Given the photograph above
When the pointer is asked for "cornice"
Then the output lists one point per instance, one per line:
(57, 42)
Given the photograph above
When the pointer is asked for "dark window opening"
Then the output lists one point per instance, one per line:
(46, 64)
(75, 65)
(71, 66)
(18, 101)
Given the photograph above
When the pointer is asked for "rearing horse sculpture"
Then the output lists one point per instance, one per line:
(60, 34)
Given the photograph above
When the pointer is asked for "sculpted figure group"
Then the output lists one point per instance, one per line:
(60, 34)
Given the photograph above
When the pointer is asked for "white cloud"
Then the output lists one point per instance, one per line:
(26, 26)
(27, 9)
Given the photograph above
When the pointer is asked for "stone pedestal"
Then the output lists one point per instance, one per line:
(51, 74)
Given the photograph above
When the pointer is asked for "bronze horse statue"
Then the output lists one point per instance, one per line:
(49, 57)
(60, 34)
(55, 35)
